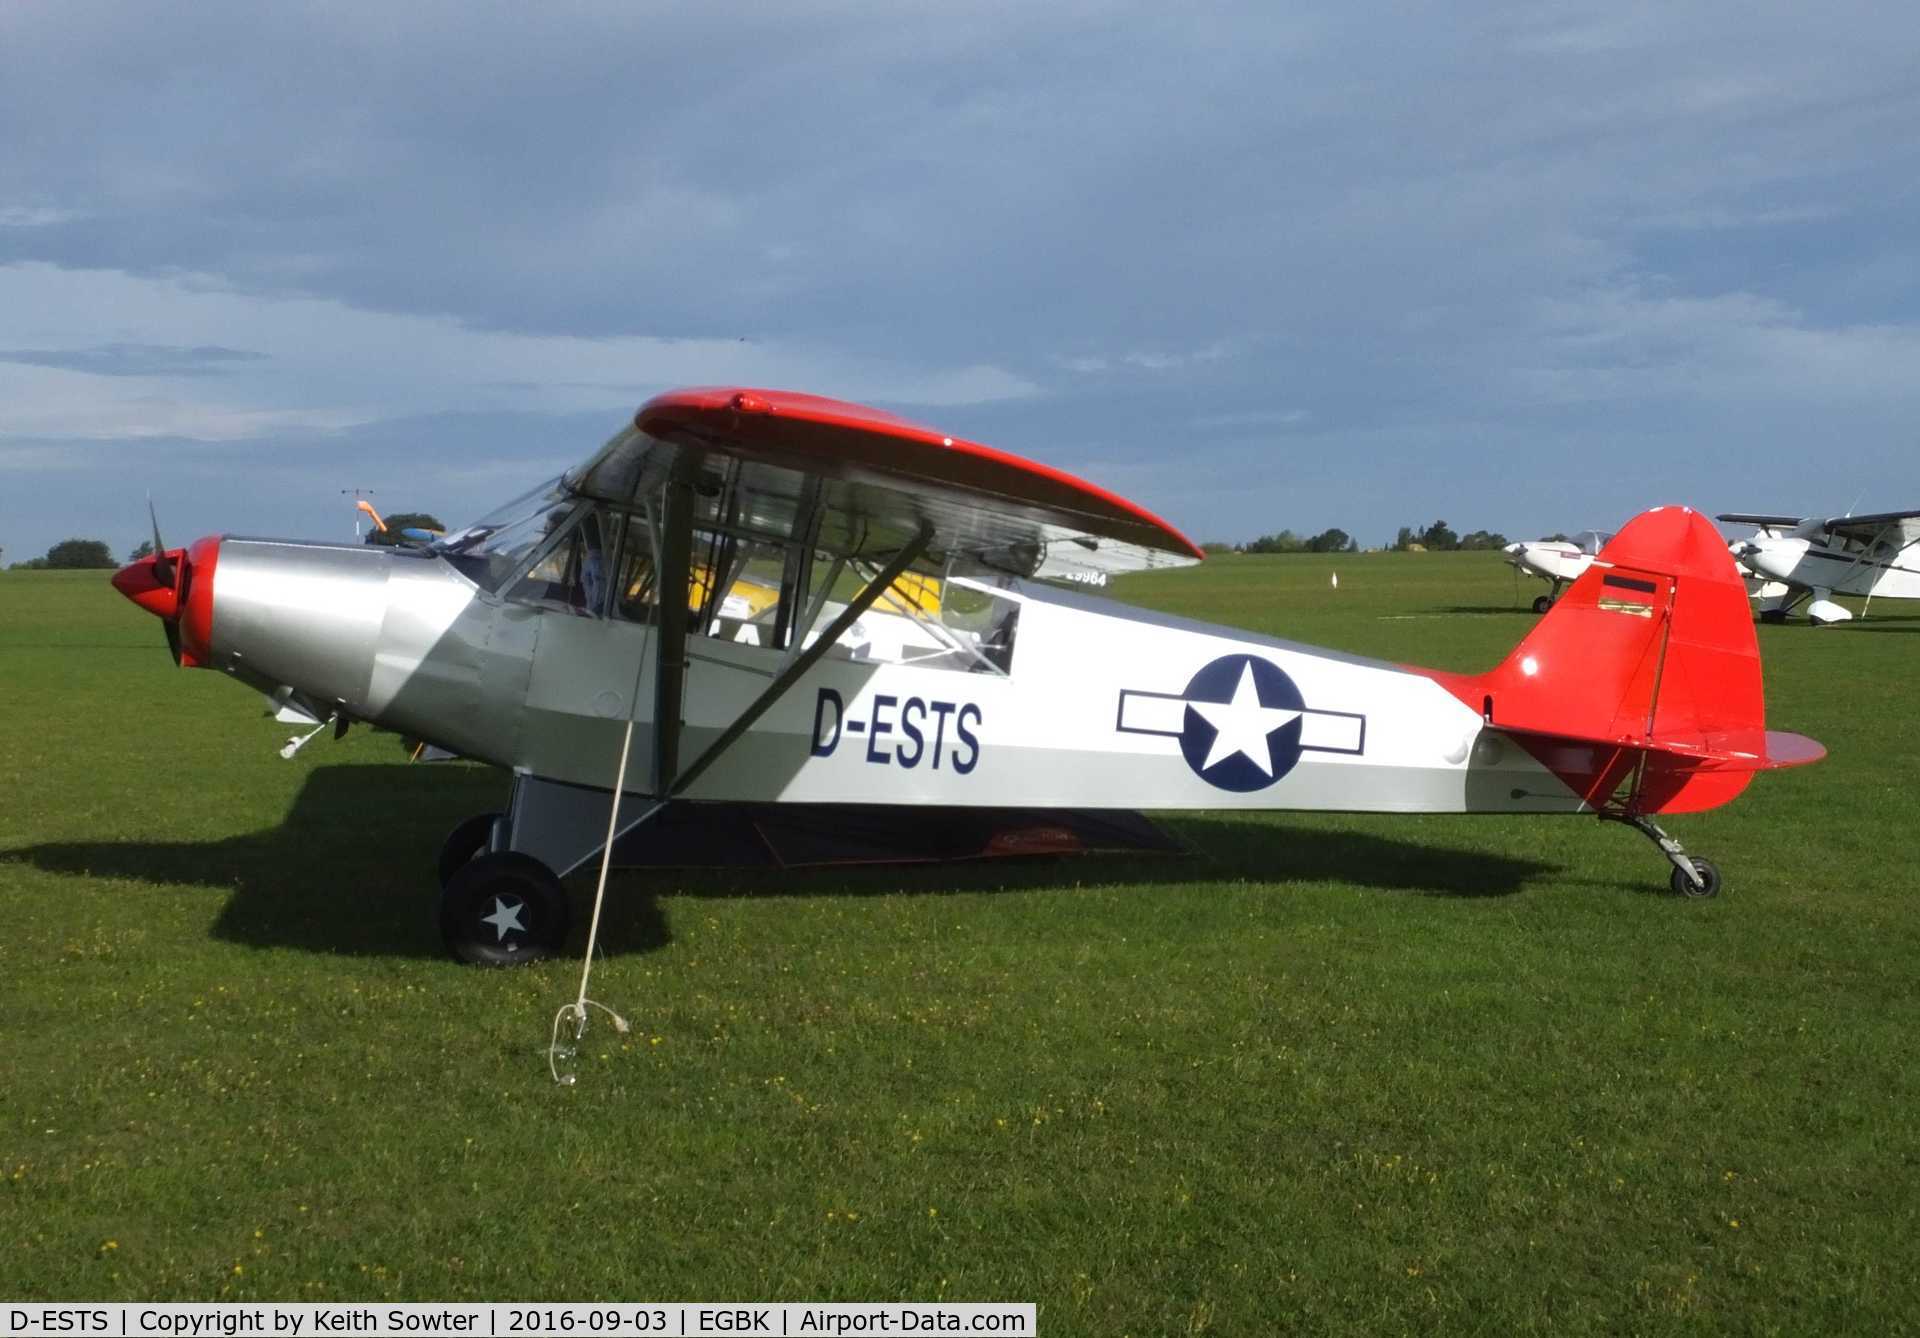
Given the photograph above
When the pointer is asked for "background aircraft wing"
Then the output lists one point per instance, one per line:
(1767, 522)
(874, 480)
(1904, 524)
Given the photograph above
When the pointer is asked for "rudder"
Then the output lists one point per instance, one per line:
(1651, 655)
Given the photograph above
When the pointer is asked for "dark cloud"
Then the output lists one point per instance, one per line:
(1269, 263)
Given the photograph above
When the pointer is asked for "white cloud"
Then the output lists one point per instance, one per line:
(1252, 418)
(1624, 345)
(34, 216)
(321, 365)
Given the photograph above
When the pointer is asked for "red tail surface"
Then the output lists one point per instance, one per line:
(1648, 668)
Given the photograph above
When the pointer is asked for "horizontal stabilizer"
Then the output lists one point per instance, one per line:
(1773, 751)
(1777, 749)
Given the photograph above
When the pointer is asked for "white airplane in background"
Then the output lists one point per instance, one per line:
(1560, 561)
(1818, 558)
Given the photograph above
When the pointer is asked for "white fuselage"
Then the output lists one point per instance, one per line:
(1550, 560)
(1881, 571)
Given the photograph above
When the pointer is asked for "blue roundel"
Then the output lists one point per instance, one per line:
(1223, 741)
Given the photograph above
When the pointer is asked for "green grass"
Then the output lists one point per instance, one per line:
(1329, 1073)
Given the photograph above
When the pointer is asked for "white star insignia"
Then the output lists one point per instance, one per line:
(506, 916)
(1242, 725)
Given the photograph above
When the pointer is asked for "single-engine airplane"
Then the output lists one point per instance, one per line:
(778, 598)
(1557, 561)
(1814, 558)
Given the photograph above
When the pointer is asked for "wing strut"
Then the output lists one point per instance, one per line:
(798, 665)
(676, 578)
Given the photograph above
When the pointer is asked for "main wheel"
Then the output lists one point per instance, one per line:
(1684, 885)
(1773, 615)
(503, 909)
(1542, 603)
(464, 842)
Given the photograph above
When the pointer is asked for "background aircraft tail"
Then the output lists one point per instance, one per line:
(1641, 684)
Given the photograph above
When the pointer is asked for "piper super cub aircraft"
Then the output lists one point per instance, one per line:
(1876, 555)
(773, 597)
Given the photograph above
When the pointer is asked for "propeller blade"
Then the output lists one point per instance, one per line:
(173, 638)
(162, 564)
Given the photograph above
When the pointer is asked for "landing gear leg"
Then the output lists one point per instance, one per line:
(1692, 875)
(1780, 612)
(470, 838)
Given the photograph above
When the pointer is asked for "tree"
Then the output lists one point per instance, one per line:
(1481, 541)
(1214, 548)
(1331, 541)
(405, 520)
(73, 554)
(145, 550)
(1439, 538)
(1284, 542)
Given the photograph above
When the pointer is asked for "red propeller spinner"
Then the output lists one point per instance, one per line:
(176, 586)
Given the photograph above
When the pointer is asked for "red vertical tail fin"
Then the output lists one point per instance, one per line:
(1648, 664)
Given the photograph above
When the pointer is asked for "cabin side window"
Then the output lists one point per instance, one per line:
(634, 593)
(946, 622)
(772, 565)
(571, 573)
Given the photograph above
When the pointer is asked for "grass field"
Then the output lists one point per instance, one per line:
(1327, 1073)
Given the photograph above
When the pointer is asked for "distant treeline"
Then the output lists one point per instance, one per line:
(1438, 537)
(73, 555)
(1327, 541)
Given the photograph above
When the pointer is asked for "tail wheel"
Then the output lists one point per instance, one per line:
(1710, 879)
(1542, 603)
(503, 909)
(1773, 615)
(464, 842)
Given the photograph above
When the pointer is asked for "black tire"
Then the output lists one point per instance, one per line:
(1683, 885)
(1542, 603)
(503, 909)
(1773, 615)
(464, 842)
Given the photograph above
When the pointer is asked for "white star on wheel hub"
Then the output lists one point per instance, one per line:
(506, 916)
(1242, 725)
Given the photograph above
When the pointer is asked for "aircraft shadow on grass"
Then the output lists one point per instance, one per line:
(1906, 625)
(351, 869)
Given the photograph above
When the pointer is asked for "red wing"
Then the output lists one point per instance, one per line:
(883, 478)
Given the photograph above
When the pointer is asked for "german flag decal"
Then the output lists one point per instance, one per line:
(1634, 597)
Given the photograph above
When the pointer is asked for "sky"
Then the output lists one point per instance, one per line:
(1525, 267)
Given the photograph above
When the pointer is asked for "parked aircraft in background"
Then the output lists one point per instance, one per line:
(758, 597)
(1767, 593)
(1559, 561)
(1813, 559)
